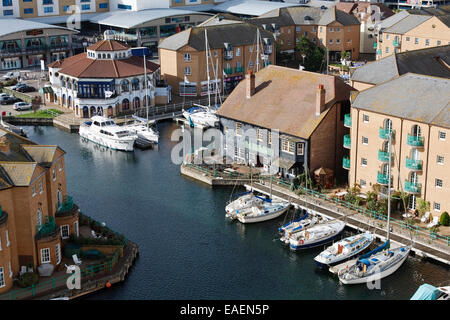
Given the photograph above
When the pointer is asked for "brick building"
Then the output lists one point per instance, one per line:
(36, 216)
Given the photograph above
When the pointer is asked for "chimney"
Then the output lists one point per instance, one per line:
(250, 84)
(320, 100)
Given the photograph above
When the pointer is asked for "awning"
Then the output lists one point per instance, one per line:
(285, 163)
(46, 90)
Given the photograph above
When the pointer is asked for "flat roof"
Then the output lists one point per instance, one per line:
(250, 7)
(132, 19)
(8, 26)
(61, 19)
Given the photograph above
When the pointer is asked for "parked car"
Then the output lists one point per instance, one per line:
(18, 85)
(8, 100)
(2, 95)
(26, 88)
(22, 106)
(11, 75)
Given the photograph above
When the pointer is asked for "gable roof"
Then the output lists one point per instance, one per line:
(20, 173)
(236, 34)
(433, 61)
(409, 22)
(411, 96)
(41, 154)
(284, 99)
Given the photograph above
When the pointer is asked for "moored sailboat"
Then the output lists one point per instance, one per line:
(316, 235)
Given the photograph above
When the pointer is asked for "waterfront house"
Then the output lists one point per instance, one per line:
(308, 110)
(233, 51)
(430, 61)
(106, 80)
(415, 108)
(35, 216)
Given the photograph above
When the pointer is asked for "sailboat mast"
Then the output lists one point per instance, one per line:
(257, 50)
(146, 86)
(207, 66)
(389, 183)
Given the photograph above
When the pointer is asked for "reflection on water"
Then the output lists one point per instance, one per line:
(188, 250)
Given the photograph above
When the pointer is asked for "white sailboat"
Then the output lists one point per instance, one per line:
(382, 261)
(429, 292)
(107, 133)
(203, 116)
(243, 202)
(316, 235)
(344, 249)
(266, 211)
(306, 221)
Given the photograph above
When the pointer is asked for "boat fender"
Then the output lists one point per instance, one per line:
(300, 242)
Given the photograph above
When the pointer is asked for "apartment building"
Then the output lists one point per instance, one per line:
(330, 28)
(404, 32)
(233, 51)
(430, 61)
(413, 109)
(23, 44)
(306, 108)
(35, 215)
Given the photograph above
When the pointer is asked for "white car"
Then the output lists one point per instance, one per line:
(22, 106)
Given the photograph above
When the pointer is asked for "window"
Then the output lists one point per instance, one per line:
(7, 238)
(338, 40)
(315, 29)
(85, 7)
(427, 42)
(10, 269)
(442, 135)
(331, 30)
(416, 40)
(437, 206)
(365, 140)
(331, 41)
(39, 217)
(366, 118)
(439, 42)
(259, 134)
(41, 188)
(298, 28)
(103, 5)
(187, 57)
(2, 278)
(45, 255)
(238, 128)
(48, 9)
(58, 253)
(300, 149)
(8, 12)
(407, 39)
(251, 49)
(28, 10)
(338, 29)
(0, 243)
(128, 7)
(386, 50)
(349, 40)
(7, 3)
(364, 162)
(75, 228)
(238, 52)
(33, 190)
(68, 9)
(438, 183)
(60, 166)
(362, 183)
(65, 231)
(387, 37)
(187, 70)
(48, 1)
(287, 146)
(269, 137)
(54, 174)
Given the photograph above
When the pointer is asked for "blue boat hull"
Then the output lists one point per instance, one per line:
(313, 245)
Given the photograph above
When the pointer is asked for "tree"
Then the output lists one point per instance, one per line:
(445, 219)
(36, 103)
(314, 56)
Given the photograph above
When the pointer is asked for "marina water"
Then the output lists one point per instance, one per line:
(187, 248)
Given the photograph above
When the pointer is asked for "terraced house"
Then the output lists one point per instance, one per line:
(330, 28)
(306, 108)
(233, 51)
(414, 110)
(35, 216)
(405, 32)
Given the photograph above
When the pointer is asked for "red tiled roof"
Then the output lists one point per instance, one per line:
(108, 45)
(80, 66)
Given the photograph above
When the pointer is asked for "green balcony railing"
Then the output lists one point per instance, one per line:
(346, 163)
(47, 229)
(228, 70)
(384, 133)
(384, 156)
(395, 43)
(348, 120)
(383, 178)
(375, 45)
(347, 141)
(379, 52)
(415, 141)
(413, 164)
(412, 187)
(239, 69)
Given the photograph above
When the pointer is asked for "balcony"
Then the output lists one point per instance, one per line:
(379, 52)
(67, 208)
(413, 164)
(347, 141)
(48, 229)
(346, 163)
(267, 49)
(348, 120)
(383, 156)
(412, 187)
(238, 69)
(228, 70)
(396, 43)
(228, 55)
(414, 141)
(383, 178)
(375, 45)
(384, 134)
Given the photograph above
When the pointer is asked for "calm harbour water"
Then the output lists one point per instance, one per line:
(187, 248)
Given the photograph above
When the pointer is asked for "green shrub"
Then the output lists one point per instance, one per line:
(27, 279)
(445, 219)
